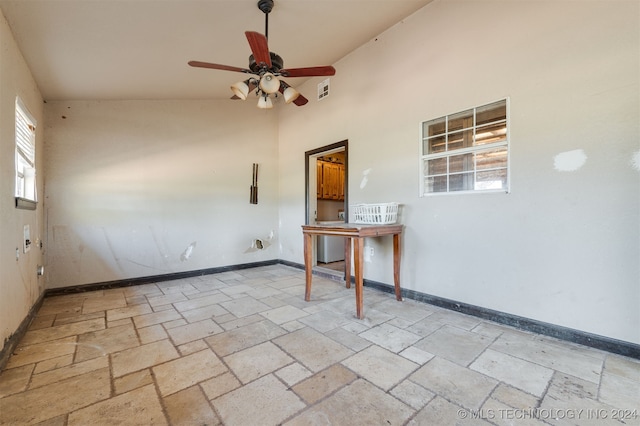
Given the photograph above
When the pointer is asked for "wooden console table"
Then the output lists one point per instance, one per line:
(357, 232)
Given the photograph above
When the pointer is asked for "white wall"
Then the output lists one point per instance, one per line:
(563, 246)
(142, 188)
(20, 287)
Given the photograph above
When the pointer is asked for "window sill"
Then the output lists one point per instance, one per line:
(25, 204)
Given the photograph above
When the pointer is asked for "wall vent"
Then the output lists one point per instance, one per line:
(323, 89)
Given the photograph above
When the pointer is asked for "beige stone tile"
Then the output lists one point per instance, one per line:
(36, 405)
(312, 349)
(55, 421)
(190, 332)
(454, 344)
(293, 373)
(166, 299)
(407, 309)
(192, 347)
(358, 403)
(173, 287)
(147, 320)
(42, 321)
(61, 304)
(119, 323)
(514, 397)
(442, 412)
(380, 366)
(271, 403)
(567, 358)
(137, 407)
(190, 407)
(620, 392)
(184, 372)
(15, 380)
(141, 290)
(348, 339)
(72, 370)
(293, 325)
(389, 337)
(499, 413)
(241, 338)
(152, 334)
(206, 312)
(230, 321)
(324, 383)
(42, 351)
(141, 357)
(69, 318)
(104, 303)
(104, 342)
(201, 302)
(128, 312)
(524, 375)
(53, 363)
(469, 389)
(58, 332)
(132, 381)
(244, 306)
(416, 355)
(257, 361)
(220, 385)
(284, 314)
(623, 367)
(175, 323)
(412, 394)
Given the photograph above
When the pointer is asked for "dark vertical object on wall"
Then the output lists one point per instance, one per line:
(253, 196)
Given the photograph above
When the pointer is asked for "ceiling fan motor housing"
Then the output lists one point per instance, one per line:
(265, 5)
(277, 63)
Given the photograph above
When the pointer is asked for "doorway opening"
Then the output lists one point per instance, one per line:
(327, 200)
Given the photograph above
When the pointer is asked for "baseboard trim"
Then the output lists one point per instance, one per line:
(105, 285)
(607, 344)
(12, 341)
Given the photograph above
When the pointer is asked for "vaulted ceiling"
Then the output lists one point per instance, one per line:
(139, 49)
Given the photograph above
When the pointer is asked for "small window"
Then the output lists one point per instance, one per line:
(467, 151)
(25, 191)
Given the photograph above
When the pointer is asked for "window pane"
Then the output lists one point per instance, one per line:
(433, 145)
(437, 166)
(461, 163)
(492, 112)
(493, 179)
(459, 140)
(434, 127)
(436, 184)
(461, 182)
(491, 133)
(493, 159)
(461, 120)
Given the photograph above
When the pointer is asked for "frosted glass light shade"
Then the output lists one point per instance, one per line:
(264, 102)
(290, 94)
(269, 83)
(240, 89)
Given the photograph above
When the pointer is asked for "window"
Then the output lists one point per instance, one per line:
(467, 151)
(25, 157)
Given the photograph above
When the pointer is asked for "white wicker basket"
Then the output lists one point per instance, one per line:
(379, 214)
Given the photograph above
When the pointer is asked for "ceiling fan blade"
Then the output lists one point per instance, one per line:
(259, 48)
(300, 100)
(218, 67)
(308, 72)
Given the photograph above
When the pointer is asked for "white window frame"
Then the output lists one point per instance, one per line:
(26, 193)
(448, 153)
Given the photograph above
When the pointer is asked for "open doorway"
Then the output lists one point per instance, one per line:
(327, 199)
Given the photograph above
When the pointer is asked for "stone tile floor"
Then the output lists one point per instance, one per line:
(244, 348)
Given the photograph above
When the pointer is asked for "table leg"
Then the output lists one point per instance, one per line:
(307, 265)
(358, 250)
(347, 261)
(396, 265)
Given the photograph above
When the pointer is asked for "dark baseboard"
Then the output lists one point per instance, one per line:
(12, 341)
(154, 278)
(563, 333)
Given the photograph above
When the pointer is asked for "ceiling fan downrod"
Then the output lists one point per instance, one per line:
(266, 6)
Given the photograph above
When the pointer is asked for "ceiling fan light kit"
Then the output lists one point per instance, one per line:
(267, 69)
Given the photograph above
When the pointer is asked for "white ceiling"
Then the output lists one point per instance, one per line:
(139, 49)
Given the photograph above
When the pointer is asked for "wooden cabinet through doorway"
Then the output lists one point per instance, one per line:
(330, 178)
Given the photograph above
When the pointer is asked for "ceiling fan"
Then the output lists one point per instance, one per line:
(267, 69)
